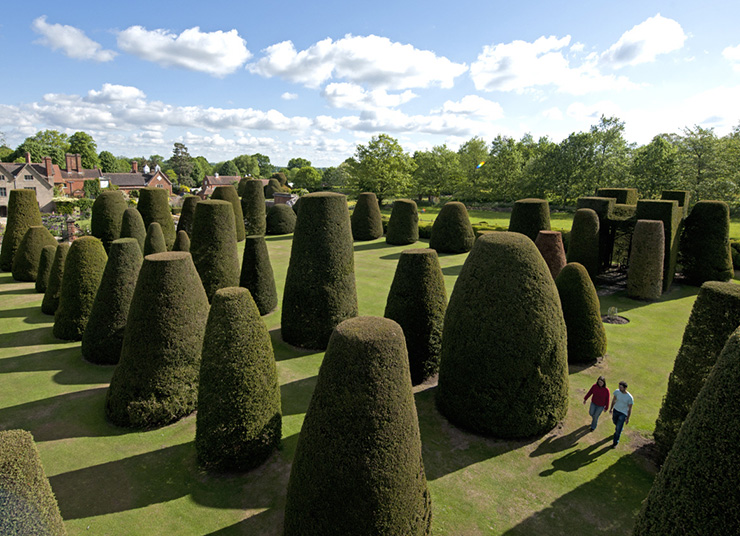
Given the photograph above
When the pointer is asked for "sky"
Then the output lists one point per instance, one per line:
(312, 80)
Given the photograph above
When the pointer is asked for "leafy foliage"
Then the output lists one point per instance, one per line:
(381, 167)
(83, 144)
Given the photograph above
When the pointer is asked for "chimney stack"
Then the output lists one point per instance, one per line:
(69, 162)
(78, 159)
(49, 168)
(28, 157)
(135, 165)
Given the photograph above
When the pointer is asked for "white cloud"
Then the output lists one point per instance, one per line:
(644, 42)
(372, 60)
(216, 53)
(354, 97)
(553, 113)
(289, 96)
(70, 40)
(587, 114)
(115, 93)
(732, 54)
(473, 105)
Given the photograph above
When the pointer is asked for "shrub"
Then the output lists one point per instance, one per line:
(670, 215)
(280, 220)
(27, 501)
(257, 276)
(403, 227)
(704, 250)
(45, 262)
(50, 303)
(103, 337)
(452, 232)
(715, 315)
(645, 272)
(320, 289)
(154, 205)
(182, 242)
(132, 226)
(154, 242)
(228, 193)
(584, 241)
(417, 301)
(281, 178)
(550, 246)
(605, 208)
(213, 246)
(240, 187)
(185, 223)
(366, 221)
(582, 314)
(83, 270)
(156, 381)
(253, 206)
(503, 368)
(695, 491)
(272, 186)
(360, 443)
(107, 215)
(28, 254)
(239, 419)
(529, 217)
(23, 212)
(682, 196)
(623, 196)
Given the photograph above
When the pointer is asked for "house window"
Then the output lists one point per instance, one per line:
(160, 186)
(29, 188)
(3, 192)
(28, 177)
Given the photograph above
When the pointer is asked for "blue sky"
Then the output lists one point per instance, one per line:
(311, 80)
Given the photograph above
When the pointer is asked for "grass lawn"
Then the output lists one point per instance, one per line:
(114, 481)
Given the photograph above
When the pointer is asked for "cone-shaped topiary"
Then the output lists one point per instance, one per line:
(107, 216)
(103, 337)
(154, 241)
(403, 226)
(50, 303)
(242, 184)
(695, 492)
(715, 315)
(550, 246)
(581, 311)
(704, 249)
(185, 223)
(272, 186)
(360, 443)
(257, 275)
(367, 224)
(156, 381)
(583, 247)
(452, 231)
(23, 212)
(83, 270)
(28, 255)
(213, 245)
(671, 215)
(239, 419)
(503, 368)
(45, 263)
(154, 205)
(417, 301)
(27, 501)
(280, 220)
(182, 242)
(320, 290)
(605, 208)
(529, 217)
(253, 206)
(645, 272)
(132, 226)
(228, 193)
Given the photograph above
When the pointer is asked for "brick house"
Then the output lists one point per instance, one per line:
(211, 181)
(135, 179)
(72, 180)
(29, 176)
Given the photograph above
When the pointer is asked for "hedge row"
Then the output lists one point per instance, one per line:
(645, 272)
(704, 250)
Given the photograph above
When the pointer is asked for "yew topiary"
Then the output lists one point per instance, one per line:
(623, 196)
(584, 241)
(645, 272)
(272, 186)
(360, 443)
(682, 196)
(257, 276)
(605, 208)
(452, 231)
(154, 242)
(182, 242)
(228, 193)
(132, 226)
(185, 223)
(107, 215)
(154, 205)
(550, 246)
(28, 255)
(417, 301)
(704, 250)
(23, 212)
(45, 262)
(503, 367)
(669, 213)
(50, 303)
(103, 337)
(253, 206)
(403, 226)
(239, 419)
(156, 381)
(280, 220)
(367, 224)
(529, 217)
(281, 178)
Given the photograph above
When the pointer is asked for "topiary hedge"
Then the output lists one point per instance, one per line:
(320, 290)
(704, 250)
(623, 196)
(154, 241)
(360, 443)
(228, 193)
(452, 232)
(417, 301)
(582, 314)
(185, 223)
(605, 208)
(669, 213)
(584, 241)
(50, 303)
(257, 276)
(253, 207)
(645, 271)
(281, 178)
(45, 262)
(182, 242)
(367, 223)
(503, 367)
(28, 254)
(403, 227)
(107, 215)
(103, 336)
(132, 226)
(154, 205)
(550, 245)
(23, 212)
(272, 186)
(529, 217)
(156, 380)
(239, 419)
(682, 196)
(280, 220)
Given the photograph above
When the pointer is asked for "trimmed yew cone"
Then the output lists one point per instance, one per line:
(50, 303)
(45, 263)
(28, 255)
(550, 246)
(257, 275)
(645, 272)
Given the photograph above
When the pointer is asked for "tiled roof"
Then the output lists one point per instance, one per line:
(222, 179)
(128, 179)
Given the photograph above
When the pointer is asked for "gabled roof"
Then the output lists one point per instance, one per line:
(128, 179)
(221, 180)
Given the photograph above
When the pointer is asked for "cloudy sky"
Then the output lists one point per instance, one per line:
(312, 80)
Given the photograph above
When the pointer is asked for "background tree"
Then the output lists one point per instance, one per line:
(307, 177)
(503, 171)
(611, 153)
(91, 188)
(470, 155)
(228, 169)
(381, 167)
(108, 162)
(247, 165)
(337, 177)
(654, 167)
(83, 144)
(44, 143)
(298, 163)
(201, 168)
(571, 168)
(181, 161)
(266, 168)
(437, 172)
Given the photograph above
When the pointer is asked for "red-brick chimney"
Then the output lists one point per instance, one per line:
(135, 165)
(28, 157)
(78, 159)
(69, 162)
(49, 168)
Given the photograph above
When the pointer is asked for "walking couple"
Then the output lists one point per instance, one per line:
(621, 406)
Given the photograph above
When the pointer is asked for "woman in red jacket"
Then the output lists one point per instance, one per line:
(599, 402)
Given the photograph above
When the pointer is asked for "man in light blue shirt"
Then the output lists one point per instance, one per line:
(621, 410)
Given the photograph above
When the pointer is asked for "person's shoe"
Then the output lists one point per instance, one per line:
(614, 445)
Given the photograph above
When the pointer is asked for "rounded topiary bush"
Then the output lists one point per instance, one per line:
(280, 220)
(367, 224)
(156, 381)
(529, 217)
(403, 226)
(83, 270)
(360, 443)
(281, 178)
(154, 205)
(582, 314)
(27, 501)
(417, 301)
(272, 186)
(28, 255)
(103, 337)
(23, 212)
(182, 242)
(132, 226)
(257, 276)
(239, 419)
(704, 250)
(253, 206)
(228, 193)
(583, 247)
(45, 262)
(107, 216)
(154, 241)
(320, 290)
(452, 231)
(645, 271)
(185, 223)
(213, 246)
(695, 492)
(550, 246)
(503, 367)
(50, 303)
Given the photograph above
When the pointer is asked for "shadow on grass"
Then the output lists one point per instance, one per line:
(267, 523)
(29, 337)
(73, 370)
(22, 312)
(553, 444)
(624, 303)
(369, 245)
(284, 351)
(277, 238)
(296, 395)
(577, 459)
(452, 270)
(17, 291)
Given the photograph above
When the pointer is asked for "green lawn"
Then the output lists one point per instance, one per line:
(114, 481)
